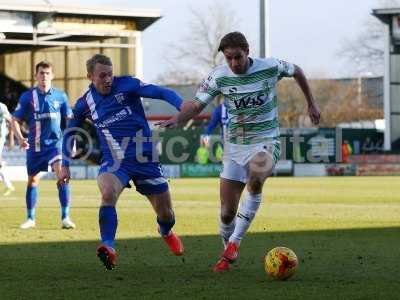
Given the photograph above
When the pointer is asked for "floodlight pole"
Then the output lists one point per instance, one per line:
(265, 28)
(390, 17)
(387, 146)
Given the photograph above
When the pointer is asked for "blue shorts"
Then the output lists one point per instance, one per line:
(147, 177)
(40, 161)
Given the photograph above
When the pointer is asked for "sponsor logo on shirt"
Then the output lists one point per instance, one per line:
(125, 112)
(41, 116)
(250, 101)
(233, 89)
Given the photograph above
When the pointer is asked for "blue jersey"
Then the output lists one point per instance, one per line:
(44, 113)
(118, 117)
(219, 117)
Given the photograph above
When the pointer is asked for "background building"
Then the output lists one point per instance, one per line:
(68, 36)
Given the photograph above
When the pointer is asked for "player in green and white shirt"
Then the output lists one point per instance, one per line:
(4, 118)
(250, 98)
(252, 145)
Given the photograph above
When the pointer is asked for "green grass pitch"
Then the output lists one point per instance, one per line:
(345, 231)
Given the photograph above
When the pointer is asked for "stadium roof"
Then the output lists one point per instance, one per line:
(384, 14)
(146, 16)
(24, 26)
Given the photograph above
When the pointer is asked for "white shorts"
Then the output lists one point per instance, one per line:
(237, 157)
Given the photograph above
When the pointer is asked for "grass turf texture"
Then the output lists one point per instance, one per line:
(345, 232)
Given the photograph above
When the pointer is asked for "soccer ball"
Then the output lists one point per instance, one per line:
(280, 263)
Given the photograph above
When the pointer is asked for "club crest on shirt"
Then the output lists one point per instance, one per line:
(120, 98)
(56, 104)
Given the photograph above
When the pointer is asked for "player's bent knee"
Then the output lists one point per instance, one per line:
(33, 181)
(108, 195)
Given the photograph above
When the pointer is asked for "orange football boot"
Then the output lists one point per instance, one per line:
(108, 256)
(229, 256)
(174, 243)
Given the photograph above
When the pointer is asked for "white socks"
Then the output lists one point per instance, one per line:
(226, 230)
(245, 216)
(5, 179)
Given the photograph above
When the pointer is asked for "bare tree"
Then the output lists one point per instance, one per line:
(197, 52)
(339, 101)
(364, 54)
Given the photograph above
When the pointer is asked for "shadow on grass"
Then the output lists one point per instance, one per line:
(335, 264)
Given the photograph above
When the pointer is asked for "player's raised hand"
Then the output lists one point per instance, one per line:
(64, 175)
(170, 123)
(314, 113)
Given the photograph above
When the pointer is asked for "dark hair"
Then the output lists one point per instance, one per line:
(97, 59)
(233, 40)
(44, 64)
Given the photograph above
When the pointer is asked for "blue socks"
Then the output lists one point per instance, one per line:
(108, 223)
(32, 195)
(64, 196)
(31, 198)
(165, 226)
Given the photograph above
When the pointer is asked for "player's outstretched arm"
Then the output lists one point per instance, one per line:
(158, 92)
(189, 109)
(313, 110)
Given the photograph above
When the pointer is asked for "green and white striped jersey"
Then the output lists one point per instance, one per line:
(250, 98)
(3, 122)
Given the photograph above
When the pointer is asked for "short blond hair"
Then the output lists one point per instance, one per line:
(97, 59)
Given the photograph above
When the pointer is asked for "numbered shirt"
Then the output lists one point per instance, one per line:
(43, 113)
(250, 98)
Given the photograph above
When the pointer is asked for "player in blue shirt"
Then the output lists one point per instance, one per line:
(114, 106)
(44, 109)
(219, 117)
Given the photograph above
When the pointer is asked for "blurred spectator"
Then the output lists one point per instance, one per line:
(202, 153)
(378, 148)
(346, 151)
(219, 152)
(368, 146)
